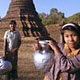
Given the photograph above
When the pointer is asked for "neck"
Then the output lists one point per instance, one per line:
(72, 49)
(12, 30)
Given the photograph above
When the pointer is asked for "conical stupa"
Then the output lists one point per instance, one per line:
(24, 12)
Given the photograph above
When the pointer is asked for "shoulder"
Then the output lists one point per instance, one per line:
(6, 32)
(18, 34)
(61, 45)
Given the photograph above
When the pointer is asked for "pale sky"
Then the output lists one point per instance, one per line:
(68, 7)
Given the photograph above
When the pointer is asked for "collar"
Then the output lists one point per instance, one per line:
(69, 53)
(12, 31)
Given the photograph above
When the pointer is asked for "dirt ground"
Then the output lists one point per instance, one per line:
(26, 68)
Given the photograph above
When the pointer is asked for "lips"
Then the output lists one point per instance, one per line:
(71, 44)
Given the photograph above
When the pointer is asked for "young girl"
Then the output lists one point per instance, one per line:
(66, 65)
(67, 55)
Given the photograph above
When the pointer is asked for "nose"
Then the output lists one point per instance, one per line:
(12, 26)
(70, 38)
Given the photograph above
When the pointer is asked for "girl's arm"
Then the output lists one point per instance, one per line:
(69, 64)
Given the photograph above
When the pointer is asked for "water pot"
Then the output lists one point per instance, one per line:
(43, 59)
(5, 66)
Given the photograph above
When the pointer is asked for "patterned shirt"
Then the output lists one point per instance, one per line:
(12, 39)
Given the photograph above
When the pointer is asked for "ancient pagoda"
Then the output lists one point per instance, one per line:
(24, 12)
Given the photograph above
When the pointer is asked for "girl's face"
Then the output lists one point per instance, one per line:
(71, 39)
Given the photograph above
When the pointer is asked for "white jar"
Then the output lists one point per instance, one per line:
(5, 66)
(43, 59)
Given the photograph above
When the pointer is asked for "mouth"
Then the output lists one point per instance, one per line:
(71, 43)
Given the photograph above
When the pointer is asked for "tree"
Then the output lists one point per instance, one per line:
(43, 15)
(53, 18)
(74, 18)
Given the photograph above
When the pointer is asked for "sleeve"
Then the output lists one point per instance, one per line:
(70, 64)
(5, 35)
(19, 39)
(19, 36)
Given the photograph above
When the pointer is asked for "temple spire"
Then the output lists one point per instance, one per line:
(24, 12)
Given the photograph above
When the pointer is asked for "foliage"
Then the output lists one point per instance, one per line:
(53, 18)
(56, 17)
(74, 18)
(43, 15)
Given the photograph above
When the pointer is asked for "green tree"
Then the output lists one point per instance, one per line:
(53, 18)
(74, 18)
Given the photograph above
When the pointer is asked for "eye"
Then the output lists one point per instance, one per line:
(74, 34)
(66, 36)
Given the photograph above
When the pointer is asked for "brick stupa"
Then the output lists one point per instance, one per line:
(24, 12)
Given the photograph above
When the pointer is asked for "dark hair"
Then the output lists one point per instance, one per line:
(13, 22)
(75, 28)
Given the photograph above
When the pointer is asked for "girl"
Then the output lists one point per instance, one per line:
(66, 65)
(67, 56)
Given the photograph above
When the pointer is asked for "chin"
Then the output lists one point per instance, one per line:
(72, 46)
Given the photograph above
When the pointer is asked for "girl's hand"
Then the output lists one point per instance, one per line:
(54, 46)
(36, 47)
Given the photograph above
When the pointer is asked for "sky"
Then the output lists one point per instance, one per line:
(68, 7)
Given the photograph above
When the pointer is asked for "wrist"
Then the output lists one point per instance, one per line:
(56, 50)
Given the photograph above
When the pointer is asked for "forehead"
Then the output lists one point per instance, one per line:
(12, 24)
(69, 32)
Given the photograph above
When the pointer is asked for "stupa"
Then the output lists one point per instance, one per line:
(24, 12)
